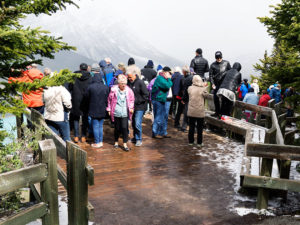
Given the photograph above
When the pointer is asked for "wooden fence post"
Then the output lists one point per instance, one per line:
(77, 185)
(49, 189)
(266, 170)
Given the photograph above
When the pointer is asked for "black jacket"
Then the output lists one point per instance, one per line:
(140, 94)
(96, 95)
(187, 82)
(200, 65)
(77, 90)
(176, 79)
(149, 73)
(233, 78)
(217, 72)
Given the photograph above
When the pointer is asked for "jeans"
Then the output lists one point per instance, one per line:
(121, 127)
(161, 112)
(98, 129)
(137, 119)
(90, 130)
(61, 127)
(192, 123)
(85, 124)
(167, 108)
(40, 109)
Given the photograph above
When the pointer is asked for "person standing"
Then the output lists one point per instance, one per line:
(250, 98)
(148, 72)
(244, 88)
(132, 68)
(199, 64)
(159, 95)
(140, 106)
(96, 95)
(108, 70)
(264, 99)
(57, 101)
(217, 73)
(120, 107)
(195, 100)
(275, 93)
(228, 88)
(177, 80)
(255, 86)
(79, 102)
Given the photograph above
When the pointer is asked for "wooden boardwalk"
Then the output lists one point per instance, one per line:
(162, 182)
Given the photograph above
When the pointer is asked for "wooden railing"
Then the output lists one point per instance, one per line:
(269, 144)
(79, 174)
(44, 173)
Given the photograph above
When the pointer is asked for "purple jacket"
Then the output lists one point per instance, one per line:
(113, 98)
(149, 87)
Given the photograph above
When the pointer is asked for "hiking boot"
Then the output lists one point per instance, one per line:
(83, 139)
(138, 143)
(200, 145)
(127, 149)
(133, 140)
(191, 144)
(166, 136)
(76, 139)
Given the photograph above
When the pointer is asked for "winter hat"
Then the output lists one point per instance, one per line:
(131, 61)
(159, 67)
(199, 51)
(150, 63)
(218, 55)
(245, 80)
(167, 69)
(83, 66)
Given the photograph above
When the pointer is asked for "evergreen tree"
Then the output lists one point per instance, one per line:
(21, 46)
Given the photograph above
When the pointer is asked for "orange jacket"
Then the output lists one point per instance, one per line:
(33, 98)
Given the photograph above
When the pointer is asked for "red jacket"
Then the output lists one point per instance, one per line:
(33, 98)
(263, 101)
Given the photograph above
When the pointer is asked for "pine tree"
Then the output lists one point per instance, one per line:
(21, 46)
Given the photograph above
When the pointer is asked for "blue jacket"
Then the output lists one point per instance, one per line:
(275, 94)
(244, 89)
(176, 79)
(251, 98)
(108, 71)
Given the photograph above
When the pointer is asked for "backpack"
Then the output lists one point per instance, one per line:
(109, 72)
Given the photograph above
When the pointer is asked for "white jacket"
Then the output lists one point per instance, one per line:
(55, 98)
(255, 87)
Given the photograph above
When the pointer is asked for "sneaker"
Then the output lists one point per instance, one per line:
(76, 139)
(83, 139)
(200, 145)
(127, 149)
(157, 137)
(138, 143)
(97, 145)
(116, 146)
(191, 144)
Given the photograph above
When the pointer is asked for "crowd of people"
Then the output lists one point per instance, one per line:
(126, 93)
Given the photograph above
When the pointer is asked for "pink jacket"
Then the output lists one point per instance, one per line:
(112, 101)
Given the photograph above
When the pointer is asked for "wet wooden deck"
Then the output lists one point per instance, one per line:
(162, 182)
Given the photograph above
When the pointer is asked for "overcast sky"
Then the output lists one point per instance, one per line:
(179, 27)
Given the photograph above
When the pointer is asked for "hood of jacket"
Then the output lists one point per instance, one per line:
(97, 78)
(85, 75)
(102, 64)
(237, 66)
(197, 81)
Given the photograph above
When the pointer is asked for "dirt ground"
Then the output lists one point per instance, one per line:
(168, 182)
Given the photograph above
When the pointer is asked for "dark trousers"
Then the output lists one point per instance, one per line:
(185, 117)
(180, 109)
(192, 124)
(226, 106)
(121, 127)
(84, 127)
(217, 101)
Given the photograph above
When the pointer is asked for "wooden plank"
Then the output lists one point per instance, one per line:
(90, 174)
(27, 215)
(292, 119)
(91, 212)
(279, 136)
(35, 193)
(77, 185)
(49, 187)
(16, 179)
(263, 194)
(62, 176)
(271, 183)
(289, 137)
(273, 151)
(282, 123)
(60, 144)
(255, 108)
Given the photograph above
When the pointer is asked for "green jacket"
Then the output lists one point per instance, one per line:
(161, 88)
